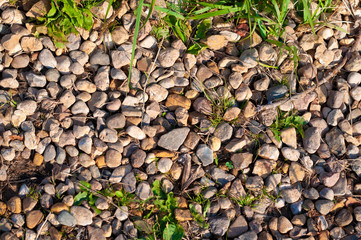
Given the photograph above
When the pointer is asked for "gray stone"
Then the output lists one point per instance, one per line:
(205, 154)
(120, 58)
(67, 219)
(129, 182)
(336, 141)
(324, 206)
(221, 177)
(82, 215)
(35, 80)
(276, 92)
(312, 140)
(219, 226)
(173, 139)
(99, 58)
(223, 131)
(47, 58)
(168, 57)
(238, 227)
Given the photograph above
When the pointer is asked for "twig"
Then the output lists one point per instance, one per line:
(329, 75)
(41, 227)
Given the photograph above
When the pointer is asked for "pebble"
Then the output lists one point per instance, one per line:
(324, 206)
(173, 139)
(219, 226)
(312, 140)
(205, 154)
(82, 215)
(168, 57)
(33, 218)
(67, 219)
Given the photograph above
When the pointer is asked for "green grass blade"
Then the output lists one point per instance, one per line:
(152, 4)
(106, 14)
(165, 10)
(214, 14)
(135, 38)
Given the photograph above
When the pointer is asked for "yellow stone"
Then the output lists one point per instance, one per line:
(58, 207)
(38, 159)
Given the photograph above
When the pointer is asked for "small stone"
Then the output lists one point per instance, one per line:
(284, 225)
(157, 93)
(183, 215)
(83, 216)
(289, 137)
(267, 53)
(223, 131)
(221, 176)
(33, 218)
(102, 10)
(353, 64)
(238, 227)
(203, 105)
(312, 140)
(216, 42)
(343, 218)
(36, 80)
(264, 167)
(249, 58)
(135, 132)
(174, 101)
(67, 219)
(164, 165)
(120, 35)
(122, 213)
(113, 158)
(173, 139)
(14, 204)
(219, 226)
(12, 16)
(290, 153)
(168, 57)
(276, 92)
(268, 151)
(324, 206)
(296, 172)
(31, 44)
(291, 195)
(20, 61)
(47, 59)
(205, 154)
(336, 141)
(120, 58)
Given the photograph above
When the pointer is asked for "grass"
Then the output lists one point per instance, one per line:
(10, 101)
(165, 225)
(64, 17)
(219, 106)
(247, 200)
(287, 120)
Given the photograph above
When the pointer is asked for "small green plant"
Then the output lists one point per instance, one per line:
(165, 225)
(216, 160)
(86, 195)
(33, 193)
(229, 165)
(304, 9)
(219, 106)
(200, 219)
(65, 16)
(283, 121)
(9, 100)
(247, 200)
